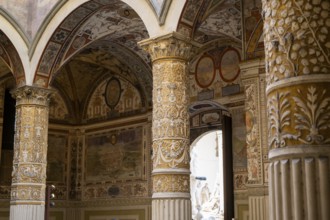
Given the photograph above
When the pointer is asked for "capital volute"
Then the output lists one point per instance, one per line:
(32, 95)
(170, 46)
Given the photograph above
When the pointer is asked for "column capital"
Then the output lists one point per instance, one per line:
(32, 95)
(172, 45)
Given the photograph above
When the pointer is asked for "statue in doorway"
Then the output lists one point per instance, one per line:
(205, 194)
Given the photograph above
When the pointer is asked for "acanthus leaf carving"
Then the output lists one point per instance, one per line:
(313, 115)
(279, 118)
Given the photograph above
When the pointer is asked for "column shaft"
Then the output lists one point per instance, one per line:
(298, 65)
(30, 154)
(170, 128)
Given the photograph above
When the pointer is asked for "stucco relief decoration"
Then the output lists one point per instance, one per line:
(170, 153)
(171, 183)
(279, 117)
(297, 39)
(30, 147)
(312, 116)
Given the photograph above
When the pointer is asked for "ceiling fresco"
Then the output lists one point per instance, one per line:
(29, 14)
(96, 63)
(224, 20)
(97, 19)
(209, 20)
(96, 41)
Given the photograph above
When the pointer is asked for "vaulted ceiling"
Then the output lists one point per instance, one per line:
(99, 39)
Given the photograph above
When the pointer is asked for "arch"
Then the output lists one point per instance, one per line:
(77, 30)
(207, 116)
(141, 7)
(16, 49)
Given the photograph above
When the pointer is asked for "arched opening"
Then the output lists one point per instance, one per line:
(206, 178)
(211, 161)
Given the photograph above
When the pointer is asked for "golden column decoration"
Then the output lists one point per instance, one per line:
(170, 127)
(297, 46)
(30, 154)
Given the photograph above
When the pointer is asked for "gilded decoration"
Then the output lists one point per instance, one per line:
(297, 38)
(299, 115)
(170, 111)
(171, 183)
(174, 46)
(30, 144)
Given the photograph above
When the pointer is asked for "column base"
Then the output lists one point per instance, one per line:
(171, 209)
(27, 212)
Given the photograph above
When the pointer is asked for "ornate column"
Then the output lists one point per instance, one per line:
(297, 43)
(30, 154)
(170, 127)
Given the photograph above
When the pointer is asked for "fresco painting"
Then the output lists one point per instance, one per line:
(115, 154)
(56, 158)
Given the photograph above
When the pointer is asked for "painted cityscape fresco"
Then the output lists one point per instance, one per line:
(114, 155)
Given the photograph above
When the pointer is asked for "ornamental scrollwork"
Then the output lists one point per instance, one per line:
(170, 153)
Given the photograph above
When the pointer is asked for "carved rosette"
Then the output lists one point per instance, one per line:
(170, 125)
(297, 43)
(30, 145)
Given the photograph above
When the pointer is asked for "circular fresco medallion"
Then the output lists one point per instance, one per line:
(112, 92)
(229, 65)
(205, 71)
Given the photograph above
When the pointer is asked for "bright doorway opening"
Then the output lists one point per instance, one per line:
(207, 175)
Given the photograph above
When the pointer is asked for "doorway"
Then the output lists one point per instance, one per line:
(207, 185)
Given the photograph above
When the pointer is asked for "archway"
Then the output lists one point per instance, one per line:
(206, 178)
(207, 118)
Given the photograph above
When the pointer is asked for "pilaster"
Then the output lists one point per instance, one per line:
(253, 78)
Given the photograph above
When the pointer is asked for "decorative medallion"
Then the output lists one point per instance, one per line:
(205, 71)
(112, 92)
(229, 65)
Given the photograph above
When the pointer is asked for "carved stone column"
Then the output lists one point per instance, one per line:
(297, 43)
(170, 127)
(30, 154)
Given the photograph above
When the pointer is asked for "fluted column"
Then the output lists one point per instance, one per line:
(297, 44)
(170, 127)
(30, 154)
